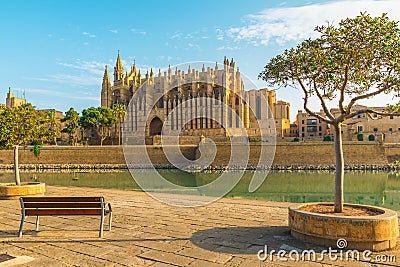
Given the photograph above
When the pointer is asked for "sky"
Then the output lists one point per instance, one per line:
(56, 51)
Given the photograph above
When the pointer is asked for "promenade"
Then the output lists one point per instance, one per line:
(146, 232)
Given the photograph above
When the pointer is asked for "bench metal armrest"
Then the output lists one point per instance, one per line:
(109, 206)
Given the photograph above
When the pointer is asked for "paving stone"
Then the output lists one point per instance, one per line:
(166, 257)
(202, 254)
(145, 232)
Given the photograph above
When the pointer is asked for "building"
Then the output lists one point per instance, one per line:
(310, 127)
(294, 130)
(364, 127)
(12, 101)
(281, 111)
(152, 102)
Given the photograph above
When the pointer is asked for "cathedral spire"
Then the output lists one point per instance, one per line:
(106, 79)
(118, 65)
(118, 69)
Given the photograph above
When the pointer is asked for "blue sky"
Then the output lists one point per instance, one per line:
(56, 51)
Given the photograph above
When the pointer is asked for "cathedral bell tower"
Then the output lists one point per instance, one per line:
(106, 90)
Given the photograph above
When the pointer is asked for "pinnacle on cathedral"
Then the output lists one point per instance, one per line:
(118, 65)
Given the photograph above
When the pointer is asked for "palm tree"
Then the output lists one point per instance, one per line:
(119, 113)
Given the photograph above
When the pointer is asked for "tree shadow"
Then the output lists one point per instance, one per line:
(249, 240)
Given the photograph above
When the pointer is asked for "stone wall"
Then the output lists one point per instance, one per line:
(291, 153)
(392, 152)
(313, 153)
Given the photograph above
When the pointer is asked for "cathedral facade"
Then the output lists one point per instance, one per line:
(209, 101)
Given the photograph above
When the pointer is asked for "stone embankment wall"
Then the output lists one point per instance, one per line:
(286, 154)
(392, 152)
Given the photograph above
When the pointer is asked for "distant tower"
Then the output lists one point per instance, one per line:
(106, 89)
(12, 101)
(118, 71)
(9, 98)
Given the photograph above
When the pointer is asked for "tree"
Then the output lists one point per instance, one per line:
(356, 60)
(54, 126)
(119, 114)
(22, 125)
(72, 125)
(100, 119)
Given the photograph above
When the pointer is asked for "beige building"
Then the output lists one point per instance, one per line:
(12, 101)
(281, 110)
(361, 127)
(371, 128)
(152, 102)
(310, 127)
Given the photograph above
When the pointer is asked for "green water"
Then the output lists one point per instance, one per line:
(363, 187)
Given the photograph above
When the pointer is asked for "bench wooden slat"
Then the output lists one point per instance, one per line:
(61, 199)
(51, 212)
(58, 205)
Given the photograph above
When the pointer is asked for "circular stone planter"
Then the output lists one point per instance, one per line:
(375, 233)
(10, 191)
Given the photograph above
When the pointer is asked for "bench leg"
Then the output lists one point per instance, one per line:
(21, 226)
(37, 223)
(101, 226)
(109, 221)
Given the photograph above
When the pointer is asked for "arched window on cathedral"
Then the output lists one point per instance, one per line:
(161, 102)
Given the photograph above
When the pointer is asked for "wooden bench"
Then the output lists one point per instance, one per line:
(65, 206)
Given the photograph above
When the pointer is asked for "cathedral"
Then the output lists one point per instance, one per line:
(209, 102)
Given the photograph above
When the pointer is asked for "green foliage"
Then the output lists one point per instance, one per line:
(359, 59)
(54, 126)
(371, 137)
(72, 125)
(37, 145)
(254, 139)
(22, 125)
(296, 139)
(360, 137)
(100, 119)
(327, 138)
(119, 112)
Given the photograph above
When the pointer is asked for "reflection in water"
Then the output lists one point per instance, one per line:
(363, 187)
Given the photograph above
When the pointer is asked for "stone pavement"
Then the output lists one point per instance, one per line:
(146, 232)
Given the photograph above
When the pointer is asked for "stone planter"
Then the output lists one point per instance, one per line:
(375, 233)
(8, 191)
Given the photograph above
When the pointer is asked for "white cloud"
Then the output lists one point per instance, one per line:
(89, 34)
(113, 31)
(59, 94)
(287, 24)
(220, 34)
(79, 80)
(91, 73)
(228, 48)
(92, 67)
(136, 31)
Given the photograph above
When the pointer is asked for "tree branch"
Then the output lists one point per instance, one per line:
(306, 104)
(341, 100)
(325, 108)
(355, 99)
(371, 111)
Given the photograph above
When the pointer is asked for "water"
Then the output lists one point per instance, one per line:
(363, 187)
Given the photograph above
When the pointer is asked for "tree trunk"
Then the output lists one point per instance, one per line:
(119, 133)
(16, 167)
(339, 174)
